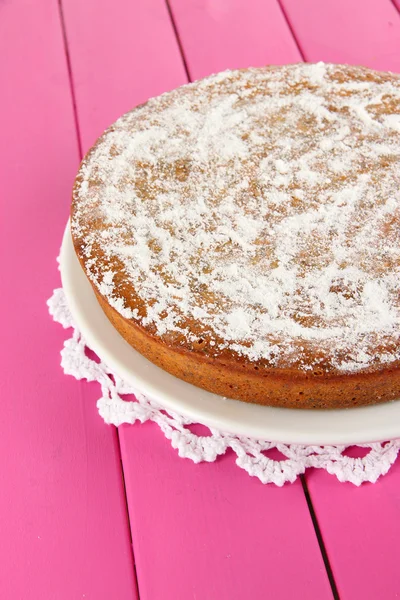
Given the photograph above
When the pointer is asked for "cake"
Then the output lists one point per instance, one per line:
(242, 233)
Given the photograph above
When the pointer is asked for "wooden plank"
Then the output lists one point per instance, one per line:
(211, 532)
(199, 531)
(122, 53)
(360, 526)
(232, 35)
(63, 522)
(347, 31)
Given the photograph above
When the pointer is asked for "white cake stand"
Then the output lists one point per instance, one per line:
(347, 426)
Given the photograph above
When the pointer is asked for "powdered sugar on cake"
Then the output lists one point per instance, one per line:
(263, 205)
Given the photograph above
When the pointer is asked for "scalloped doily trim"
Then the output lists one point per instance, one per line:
(251, 455)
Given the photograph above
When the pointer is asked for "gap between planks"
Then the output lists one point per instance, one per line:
(291, 29)
(127, 515)
(320, 539)
(396, 4)
(70, 78)
(178, 40)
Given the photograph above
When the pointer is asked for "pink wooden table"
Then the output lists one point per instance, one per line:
(87, 511)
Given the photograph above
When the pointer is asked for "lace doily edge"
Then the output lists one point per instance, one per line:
(257, 457)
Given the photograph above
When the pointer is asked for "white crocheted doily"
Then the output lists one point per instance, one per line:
(252, 455)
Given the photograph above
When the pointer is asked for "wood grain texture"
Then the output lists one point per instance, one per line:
(63, 523)
(232, 34)
(360, 526)
(208, 532)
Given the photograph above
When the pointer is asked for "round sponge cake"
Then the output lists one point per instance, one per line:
(242, 232)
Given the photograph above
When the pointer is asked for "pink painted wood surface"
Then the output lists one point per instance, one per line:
(360, 526)
(205, 531)
(208, 531)
(364, 32)
(63, 523)
(211, 532)
(232, 34)
(122, 53)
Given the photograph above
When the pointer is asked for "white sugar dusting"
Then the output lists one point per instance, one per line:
(262, 204)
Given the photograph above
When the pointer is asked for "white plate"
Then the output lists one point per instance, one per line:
(348, 426)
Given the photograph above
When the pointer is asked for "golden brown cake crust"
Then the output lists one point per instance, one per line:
(242, 233)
